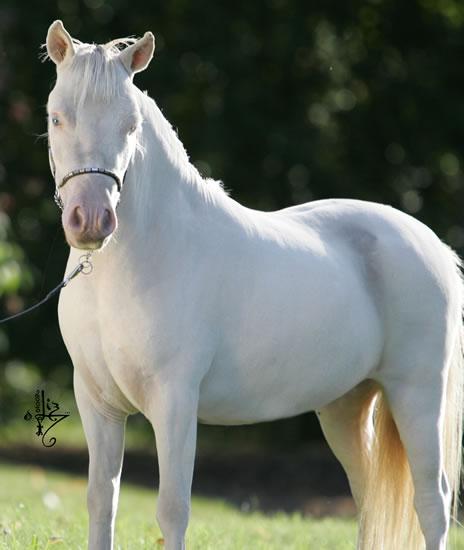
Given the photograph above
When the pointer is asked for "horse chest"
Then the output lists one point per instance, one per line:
(108, 349)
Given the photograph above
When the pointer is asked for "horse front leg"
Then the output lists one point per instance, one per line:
(105, 441)
(173, 414)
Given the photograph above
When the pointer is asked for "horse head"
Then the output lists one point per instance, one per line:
(93, 126)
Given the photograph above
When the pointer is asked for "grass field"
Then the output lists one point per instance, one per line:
(42, 510)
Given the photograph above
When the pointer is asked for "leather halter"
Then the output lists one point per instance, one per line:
(78, 172)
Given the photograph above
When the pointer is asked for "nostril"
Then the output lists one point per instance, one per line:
(107, 222)
(76, 220)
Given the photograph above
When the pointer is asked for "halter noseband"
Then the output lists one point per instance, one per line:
(78, 172)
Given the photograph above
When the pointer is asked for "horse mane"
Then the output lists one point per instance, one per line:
(208, 187)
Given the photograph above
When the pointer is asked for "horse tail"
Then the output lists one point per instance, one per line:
(387, 516)
(388, 519)
(453, 427)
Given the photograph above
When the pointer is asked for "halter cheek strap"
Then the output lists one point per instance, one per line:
(78, 172)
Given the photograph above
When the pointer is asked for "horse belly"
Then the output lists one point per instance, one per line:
(268, 399)
(298, 351)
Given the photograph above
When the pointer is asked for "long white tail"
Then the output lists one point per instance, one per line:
(453, 427)
(388, 520)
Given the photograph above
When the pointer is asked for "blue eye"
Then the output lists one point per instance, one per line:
(55, 121)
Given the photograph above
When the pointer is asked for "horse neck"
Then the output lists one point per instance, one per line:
(162, 192)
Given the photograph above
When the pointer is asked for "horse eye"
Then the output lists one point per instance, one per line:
(132, 129)
(55, 121)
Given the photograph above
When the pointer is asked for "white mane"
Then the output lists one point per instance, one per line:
(176, 151)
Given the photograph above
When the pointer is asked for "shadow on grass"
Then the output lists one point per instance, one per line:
(310, 481)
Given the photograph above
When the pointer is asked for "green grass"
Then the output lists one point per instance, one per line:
(42, 510)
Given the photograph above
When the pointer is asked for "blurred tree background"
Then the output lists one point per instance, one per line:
(286, 101)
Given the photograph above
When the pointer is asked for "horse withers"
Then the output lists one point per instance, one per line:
(201, 309)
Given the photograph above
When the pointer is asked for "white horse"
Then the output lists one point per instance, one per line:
(200, 308)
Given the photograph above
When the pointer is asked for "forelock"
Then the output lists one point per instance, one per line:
(94, 71)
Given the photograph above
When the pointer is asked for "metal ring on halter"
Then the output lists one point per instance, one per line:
(85, 266)
(85, 263)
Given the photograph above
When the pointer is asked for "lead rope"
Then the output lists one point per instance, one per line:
(85, 267)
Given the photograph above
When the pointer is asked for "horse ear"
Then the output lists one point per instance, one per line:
(59, 43)
(137, 57)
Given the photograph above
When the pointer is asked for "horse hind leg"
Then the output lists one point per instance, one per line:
(423, 407)
(363, 434)
(418, 413)
(348, 429)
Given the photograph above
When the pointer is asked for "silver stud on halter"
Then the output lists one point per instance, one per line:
(75, 173)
